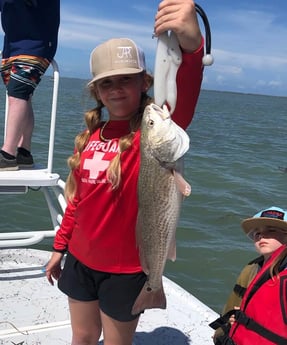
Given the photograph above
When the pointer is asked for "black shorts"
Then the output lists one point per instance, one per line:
(116, 293)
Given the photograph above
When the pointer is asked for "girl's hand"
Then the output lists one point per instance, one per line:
(180, 17)
(53, 267)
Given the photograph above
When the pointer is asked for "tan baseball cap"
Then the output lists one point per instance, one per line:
(115, 57)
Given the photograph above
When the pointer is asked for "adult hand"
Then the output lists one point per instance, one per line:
(180, 17)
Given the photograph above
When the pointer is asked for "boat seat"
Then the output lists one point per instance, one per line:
(14, 182)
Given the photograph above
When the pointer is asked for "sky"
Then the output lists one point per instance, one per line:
(248, 39)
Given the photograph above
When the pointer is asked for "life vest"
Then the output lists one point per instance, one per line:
(235, 298)
(262, 318)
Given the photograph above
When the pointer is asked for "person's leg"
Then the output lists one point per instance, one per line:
(25, 74)
(118, 332)
(116, 299)
(20, 124)
(77, 283)
(85, 321)
(28, 127)
(7, 160)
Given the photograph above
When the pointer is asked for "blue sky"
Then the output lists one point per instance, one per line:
(248, 39)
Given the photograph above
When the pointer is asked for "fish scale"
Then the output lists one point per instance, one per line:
(160, 217)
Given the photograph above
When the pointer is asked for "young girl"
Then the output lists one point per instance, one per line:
(102, 275)
(262, 316)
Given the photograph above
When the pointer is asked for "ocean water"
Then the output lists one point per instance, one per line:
(236, 166)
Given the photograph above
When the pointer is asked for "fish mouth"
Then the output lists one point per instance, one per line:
(163, 112)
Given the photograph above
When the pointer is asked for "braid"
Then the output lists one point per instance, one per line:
(92, 119)
(114, 169)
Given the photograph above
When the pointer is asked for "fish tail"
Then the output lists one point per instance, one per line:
(148, 299)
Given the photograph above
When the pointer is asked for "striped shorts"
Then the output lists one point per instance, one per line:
(21, 74)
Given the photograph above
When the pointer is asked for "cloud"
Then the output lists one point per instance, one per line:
(254, 61)
(275, 83)
(84, 31)
(255, 32)
(222, 68)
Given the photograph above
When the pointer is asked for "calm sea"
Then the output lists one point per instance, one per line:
(235, 166)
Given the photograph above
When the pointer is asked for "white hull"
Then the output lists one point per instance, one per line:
(34, 312)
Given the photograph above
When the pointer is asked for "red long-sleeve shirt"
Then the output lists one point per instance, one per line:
(98, 226)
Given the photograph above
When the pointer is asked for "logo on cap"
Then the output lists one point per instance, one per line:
(273, 214)
(124, 52)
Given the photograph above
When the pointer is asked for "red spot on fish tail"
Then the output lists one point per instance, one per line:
(148, 299)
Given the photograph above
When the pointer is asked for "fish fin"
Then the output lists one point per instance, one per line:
(183, 186)
(149, 299)
(172, 250)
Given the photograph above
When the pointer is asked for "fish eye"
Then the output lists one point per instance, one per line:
(150, 123)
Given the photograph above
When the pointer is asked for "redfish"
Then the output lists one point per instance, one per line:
(161, 189)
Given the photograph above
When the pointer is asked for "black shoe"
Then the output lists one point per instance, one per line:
(24, 161)
(7, 164)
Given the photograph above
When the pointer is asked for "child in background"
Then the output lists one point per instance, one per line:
(256, 311)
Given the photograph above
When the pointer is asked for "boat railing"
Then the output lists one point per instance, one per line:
(38, 178)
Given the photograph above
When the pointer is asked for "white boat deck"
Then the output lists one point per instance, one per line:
(33, 312)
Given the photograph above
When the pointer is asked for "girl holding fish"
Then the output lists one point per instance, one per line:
(102, 274)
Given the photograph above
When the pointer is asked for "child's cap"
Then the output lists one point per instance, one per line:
(115, 57)
(272, 216)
